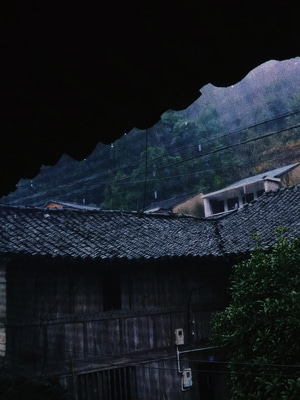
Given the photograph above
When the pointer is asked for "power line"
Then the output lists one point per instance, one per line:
(146, 168)
(142, 361)
(157, 167)
(165, 177)
(247, 141)
(238, 131)
(105, 172)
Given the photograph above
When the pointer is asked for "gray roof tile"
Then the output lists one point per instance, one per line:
(275, 173)
(103, 235)
(278, 208)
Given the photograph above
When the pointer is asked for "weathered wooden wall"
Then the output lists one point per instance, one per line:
(160, 380)
(59, 322)
(155, 380)
(2, 307)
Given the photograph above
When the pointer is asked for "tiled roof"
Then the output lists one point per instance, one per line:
(168, 204)
(278, 208)
(126, 235)
(275, 173)
(103, 235)
(64, 204)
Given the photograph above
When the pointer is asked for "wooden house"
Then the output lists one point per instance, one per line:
(117, 305)
(93, 299)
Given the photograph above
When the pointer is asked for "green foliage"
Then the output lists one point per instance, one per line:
(202, 148)
(261, 326)
(116, 196)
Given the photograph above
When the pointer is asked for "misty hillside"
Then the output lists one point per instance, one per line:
(269, 90)
(225, 135)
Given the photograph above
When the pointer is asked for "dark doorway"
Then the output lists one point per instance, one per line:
(212, 380)
(111, 291)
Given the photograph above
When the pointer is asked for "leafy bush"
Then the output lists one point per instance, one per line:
(261, 326)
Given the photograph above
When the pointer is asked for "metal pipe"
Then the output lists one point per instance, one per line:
(178, 360)
(200, 349)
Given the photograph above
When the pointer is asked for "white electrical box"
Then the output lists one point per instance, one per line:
(187, 380)
(179, 336)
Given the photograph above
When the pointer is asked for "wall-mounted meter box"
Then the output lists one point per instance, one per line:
(187, 380)
(179, 336)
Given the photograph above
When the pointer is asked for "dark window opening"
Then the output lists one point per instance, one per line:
(260, 193)
(111, 291)
(233, 203)
(248, 197)
(217, 206)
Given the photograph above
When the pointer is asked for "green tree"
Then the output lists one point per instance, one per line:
(117, 195)
(164, 173)
(261, 326)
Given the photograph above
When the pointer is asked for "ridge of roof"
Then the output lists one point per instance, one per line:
(153, 215)
(167, 204)
(70, 205)
(263, 216)
(267, 174)
(109, 235)
(102, 235)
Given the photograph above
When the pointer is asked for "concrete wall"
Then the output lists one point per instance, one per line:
(193, 206)
(291, 178)
(270, 184)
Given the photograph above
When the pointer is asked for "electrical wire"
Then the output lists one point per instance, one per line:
(172, 164)
(124, 181)
(226, 135)
(105, 172)
(143, 362)
(223, 148)
(146, 169)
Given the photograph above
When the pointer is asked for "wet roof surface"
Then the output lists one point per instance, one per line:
(79, 234)
(98, 234)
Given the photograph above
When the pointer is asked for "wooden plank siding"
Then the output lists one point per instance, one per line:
(110, 384)
(57, 323)
(2, 308)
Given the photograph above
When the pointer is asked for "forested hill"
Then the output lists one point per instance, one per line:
(226, 135)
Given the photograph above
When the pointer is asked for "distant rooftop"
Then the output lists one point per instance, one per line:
(168, 204)
(57, 204)
(275, 173)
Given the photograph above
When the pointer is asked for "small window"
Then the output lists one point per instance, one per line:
(111, 291)
(260, 193)
(217, 206)
(233, 203)
(248, 197)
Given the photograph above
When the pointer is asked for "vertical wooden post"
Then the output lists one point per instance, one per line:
(74, 379)
(2, 309)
